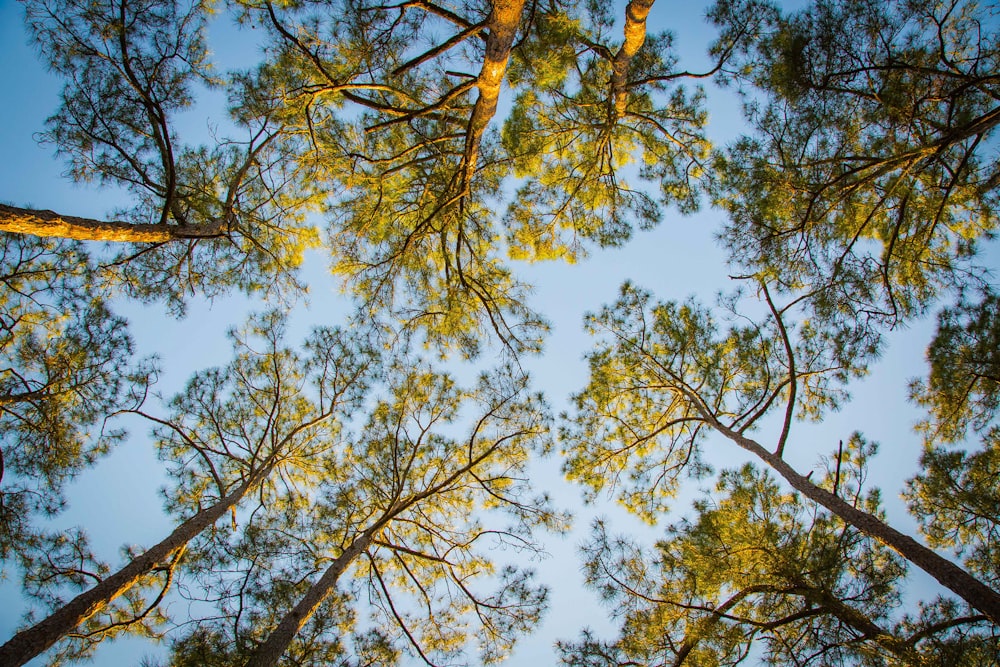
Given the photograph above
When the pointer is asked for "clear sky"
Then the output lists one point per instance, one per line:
(117, 499)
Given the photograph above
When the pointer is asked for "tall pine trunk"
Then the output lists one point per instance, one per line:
(269, 652)
(635, 36)
(502, 25)
(32, 641)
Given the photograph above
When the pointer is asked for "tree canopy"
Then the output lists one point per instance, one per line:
(759, 571)
(370, 493)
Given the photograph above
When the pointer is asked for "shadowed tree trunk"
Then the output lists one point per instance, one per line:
(268, 653)
(949, 575)
(32, 641)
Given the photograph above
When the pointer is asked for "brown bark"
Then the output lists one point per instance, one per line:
(32, 641)
(270, 652)
(45, 223)
(949, 575)
(635, 36)
(502, 26)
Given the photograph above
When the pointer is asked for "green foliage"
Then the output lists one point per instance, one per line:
(261, 196)
(131, 66)
(956, 497)
(955, 494)
(761, 572)
(65, 368)
(349, 112)
(128, 65)
(254, 431)
(869, 178)
(410, 181)
(963, 386)
(412, 243)
(271, 410)
(546, 57)
(572, 142)
(430, 489)
(260, 583)
(663, 376)
(372, 497)
(407, 147)
(413, 496)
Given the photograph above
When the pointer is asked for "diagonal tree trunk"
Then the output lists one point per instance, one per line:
(949, 575)
(45, 223)
(32, 641)
(270, 652)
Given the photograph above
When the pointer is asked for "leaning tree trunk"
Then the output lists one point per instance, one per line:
(32, 641)
(33, 222)
(949, 575)
(268, 653)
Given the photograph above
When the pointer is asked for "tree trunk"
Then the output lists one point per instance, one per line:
(15, 220)
(32, 641)
(635, 36)
(949, 575)
(696, 631)
(502, 26)
(268, 653)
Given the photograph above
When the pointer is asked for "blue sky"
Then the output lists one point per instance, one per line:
(117, 499)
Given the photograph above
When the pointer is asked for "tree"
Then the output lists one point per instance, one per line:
(954, 494)
(411, 177)
(415, 231)
(858, 201)
(260, 583)
(962, 389)
(586, 109)
(861, 200)
(256, 428)
(663, 378)
(758, 571)
(397, 521)
(409, 171)
(66, 368)
(204, 218)
(869, 177)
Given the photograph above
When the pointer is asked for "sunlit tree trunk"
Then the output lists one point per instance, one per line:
(45, 223)
(502, 25)
(635, 36)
